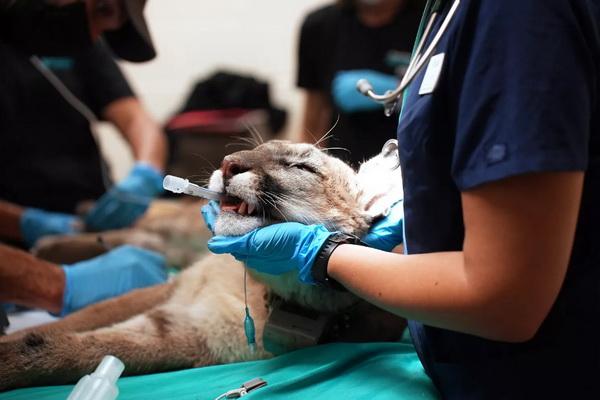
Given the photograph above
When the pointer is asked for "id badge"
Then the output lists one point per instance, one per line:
(432, 75)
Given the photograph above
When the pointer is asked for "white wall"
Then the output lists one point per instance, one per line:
(195, 37)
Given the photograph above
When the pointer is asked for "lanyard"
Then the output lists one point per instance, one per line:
(430, 8)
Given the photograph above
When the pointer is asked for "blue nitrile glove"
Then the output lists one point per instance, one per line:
(348, 99)
(210, 212)
(36, 223)
(276, 249)
(127, 201)
(387, 233)
(117, 272)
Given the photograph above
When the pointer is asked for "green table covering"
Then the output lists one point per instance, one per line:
(379, 371)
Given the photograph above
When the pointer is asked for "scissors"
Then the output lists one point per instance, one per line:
(392, 99)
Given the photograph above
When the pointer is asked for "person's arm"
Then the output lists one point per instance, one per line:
(29, 281)
(143, 134)
(312, 76)
(316, 120)
(111, 98)
(518, 238)
(129, 199)
(62, 289)
(28, 224)
(10, 221)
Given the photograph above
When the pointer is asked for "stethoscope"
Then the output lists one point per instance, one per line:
(392, 99)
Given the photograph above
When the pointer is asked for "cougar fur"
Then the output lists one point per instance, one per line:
(196, 319)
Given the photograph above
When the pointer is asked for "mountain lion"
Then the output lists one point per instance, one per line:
(197, 318)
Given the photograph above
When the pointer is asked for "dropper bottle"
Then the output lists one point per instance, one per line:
(102, 383)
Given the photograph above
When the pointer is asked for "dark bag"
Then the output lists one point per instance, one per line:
(218, 112)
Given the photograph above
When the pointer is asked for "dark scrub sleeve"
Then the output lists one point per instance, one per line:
(102, 79)
(526, 87)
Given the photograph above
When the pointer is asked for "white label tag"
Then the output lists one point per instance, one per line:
(432, 75)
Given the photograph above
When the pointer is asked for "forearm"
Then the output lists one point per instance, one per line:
(147, 141)
(29, 281)
(316, 120)
(503, 283)
(10, 221)
(432, 288)
(144, 135)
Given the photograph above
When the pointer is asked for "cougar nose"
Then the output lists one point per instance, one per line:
(232, 167)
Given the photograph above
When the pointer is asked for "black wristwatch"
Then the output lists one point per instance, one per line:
(319, 269)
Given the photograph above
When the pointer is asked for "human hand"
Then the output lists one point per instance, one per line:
(210, 212)
(389, 231)
(127, 201)
(349, 99)
(117, 272)
(276, 249)
(36, 223)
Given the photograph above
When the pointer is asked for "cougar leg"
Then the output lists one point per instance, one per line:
(69, 249)
(152, 342)
(105, 313)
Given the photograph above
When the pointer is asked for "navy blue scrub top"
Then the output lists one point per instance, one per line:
(518, 93)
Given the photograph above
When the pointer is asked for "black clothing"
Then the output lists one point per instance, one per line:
(333, 39)
(48, 156)
(517, 94)
(40, 28)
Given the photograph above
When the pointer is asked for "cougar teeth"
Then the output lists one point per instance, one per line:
(251, 209)
(243, 210)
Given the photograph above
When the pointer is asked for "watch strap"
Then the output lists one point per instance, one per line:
(319, 269)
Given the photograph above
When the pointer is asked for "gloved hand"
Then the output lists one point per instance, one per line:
(114, 273)
(210, 212)
(348, 99)
(127, 201)
(276, 249)
(36, 223)
(389, 232)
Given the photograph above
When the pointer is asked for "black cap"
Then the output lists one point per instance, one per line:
(132, 42)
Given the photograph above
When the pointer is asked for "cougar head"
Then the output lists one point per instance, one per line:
(282, 181)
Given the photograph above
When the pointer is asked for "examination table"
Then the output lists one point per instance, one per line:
(381, 371)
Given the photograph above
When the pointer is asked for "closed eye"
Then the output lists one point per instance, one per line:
(304, 167)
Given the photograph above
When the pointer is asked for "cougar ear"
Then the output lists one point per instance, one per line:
(389, 153)
(380, 180)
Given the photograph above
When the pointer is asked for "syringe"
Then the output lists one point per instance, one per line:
(176, 184)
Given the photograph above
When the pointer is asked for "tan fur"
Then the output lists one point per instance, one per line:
(196, 319)
(168, 227)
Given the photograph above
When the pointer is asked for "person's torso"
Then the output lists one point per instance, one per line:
(48, 156)
(465, 366)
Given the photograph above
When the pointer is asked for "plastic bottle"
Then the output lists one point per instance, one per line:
(102, 383)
